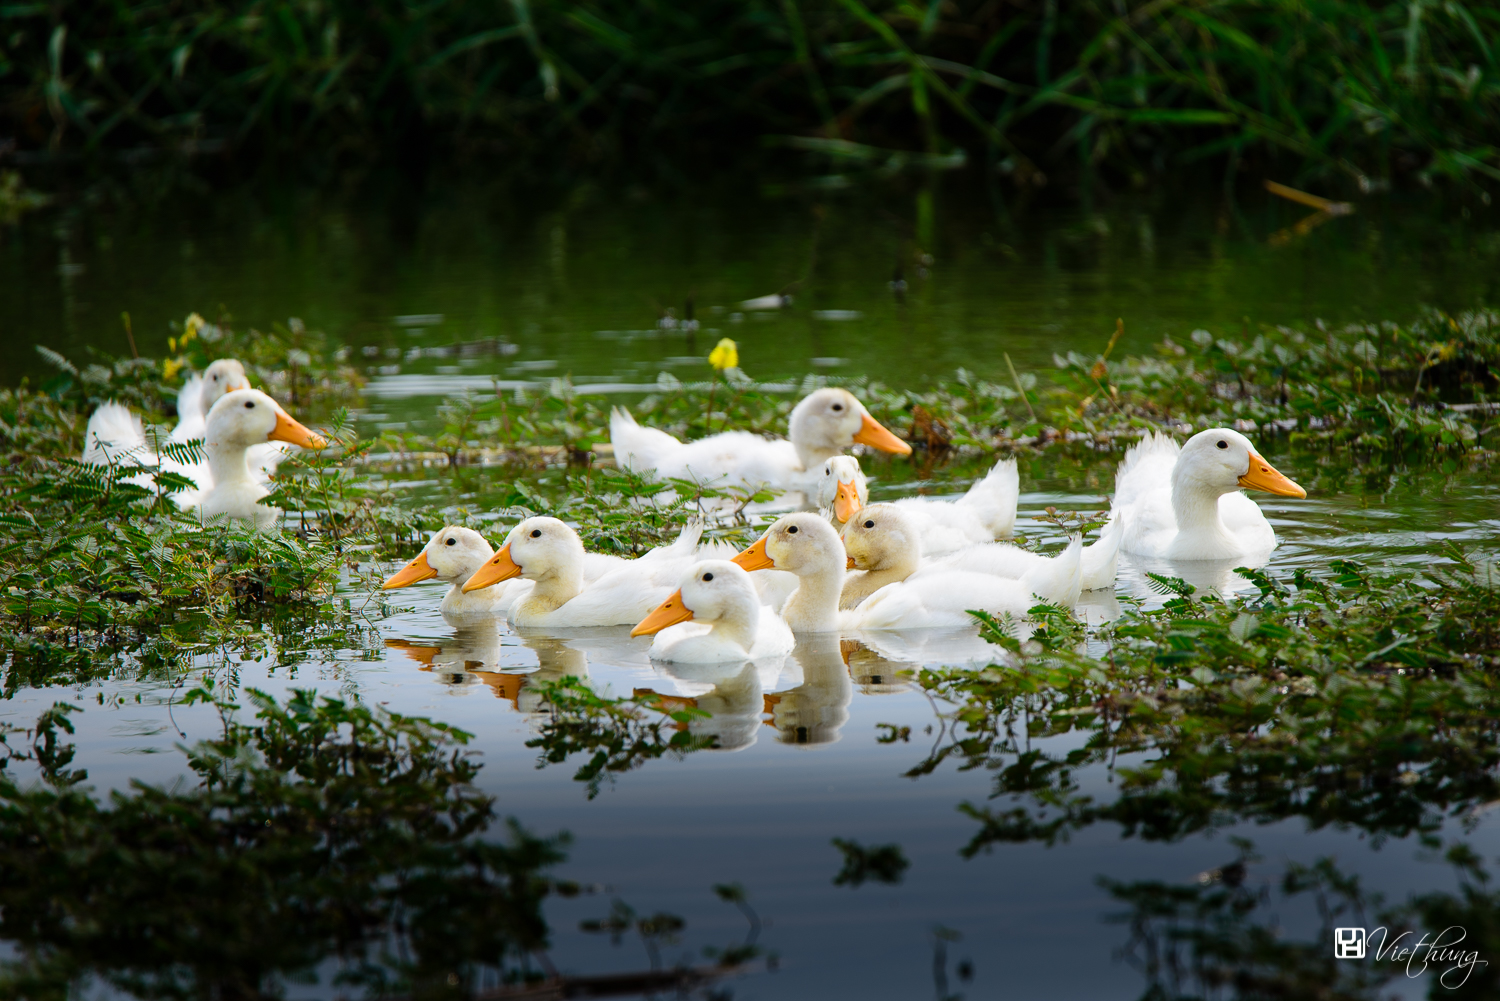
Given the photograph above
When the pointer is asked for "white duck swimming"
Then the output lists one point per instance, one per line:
(882, 546)
(226, 485)
(987, 511)
(824, 424)
(1183, 503)
(713, 618)
(453, 555)
(806, 545)
(892, 593)
(548, 553)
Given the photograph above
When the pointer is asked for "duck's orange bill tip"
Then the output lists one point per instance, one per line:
(755, 557)
(288, 430)
(500, 567)
(874, 434)
(668, 613)
(414, 572)
(849, 564)
(846, 501)
(1264, 476)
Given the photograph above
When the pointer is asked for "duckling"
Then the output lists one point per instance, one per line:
(822, 425)
(452, 555)
(987, 511)
(806, 545)
(1183, 503)
(714, 617)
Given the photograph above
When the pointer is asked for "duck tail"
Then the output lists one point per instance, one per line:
(1143, 466)
(1100, 560)
(115, 436)
(993, 499)
(189, 410)
(685, 545)
(1059, 580)
(637, 449)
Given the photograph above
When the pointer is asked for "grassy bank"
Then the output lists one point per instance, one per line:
(1356, 95)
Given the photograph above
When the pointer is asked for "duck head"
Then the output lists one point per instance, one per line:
(712, 591)
(1220, 460)
(802, 543)
(842, 487)
(453, 554)
(537, 549)
(245, 417)
(830, 420)
(882, 538)
(223, 376)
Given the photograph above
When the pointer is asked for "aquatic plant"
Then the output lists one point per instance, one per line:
(1360, 699)
(1351, 92)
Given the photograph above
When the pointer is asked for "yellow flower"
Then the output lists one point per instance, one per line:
(171, 367)
(191, 326)
(724, 355)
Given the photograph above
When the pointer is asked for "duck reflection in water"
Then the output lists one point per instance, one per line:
(473, 654)
(874, 674)
(734, 703)
(814, 711)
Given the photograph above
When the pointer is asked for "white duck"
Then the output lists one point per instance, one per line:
(1183, 503)
(452, 556)
(882, 542)
(198, 396)
(892, 593)
(226, 485)
(548, 553)
(987, 511)
(824, 424)
(806, 545)
(713, 618)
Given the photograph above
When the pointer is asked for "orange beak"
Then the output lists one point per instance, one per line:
(288, 430)
(414, 572)
(755, 558)
(846, 501)
(874, 434)
(500, 567)
(1264, 476)
(668, 613)
(850, 564)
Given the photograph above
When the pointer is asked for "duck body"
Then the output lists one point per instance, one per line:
(1184, 502)
(822, 425)
(715, 617)
(985, 512)
(225, 484)
(548, 554)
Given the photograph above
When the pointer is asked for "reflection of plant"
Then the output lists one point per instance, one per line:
(616, 734)
(877, 863)
(1358, 698)
(322, 830)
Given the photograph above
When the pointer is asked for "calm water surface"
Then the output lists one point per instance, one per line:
(579, 292)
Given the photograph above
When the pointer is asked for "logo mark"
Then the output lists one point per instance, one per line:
(1348, 943)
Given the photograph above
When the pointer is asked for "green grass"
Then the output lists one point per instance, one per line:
(1353, 95)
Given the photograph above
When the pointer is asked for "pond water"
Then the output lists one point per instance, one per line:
(579, 291)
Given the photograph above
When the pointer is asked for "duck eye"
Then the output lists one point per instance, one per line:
(838, 406)
(1223, 443)
(869, 524)
(536, 533)
(708, 576)
(791, 530)
(450, 542)
(249, 404)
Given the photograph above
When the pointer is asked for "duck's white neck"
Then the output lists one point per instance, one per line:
(738, 622)
(475, 604)
(1201, 533)
(814, 454)
(814, 606)
(554, 588)
(230, 465)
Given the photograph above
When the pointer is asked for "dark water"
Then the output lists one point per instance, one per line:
(579, 291)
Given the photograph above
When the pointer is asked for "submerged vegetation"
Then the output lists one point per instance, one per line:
(1360, 95)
